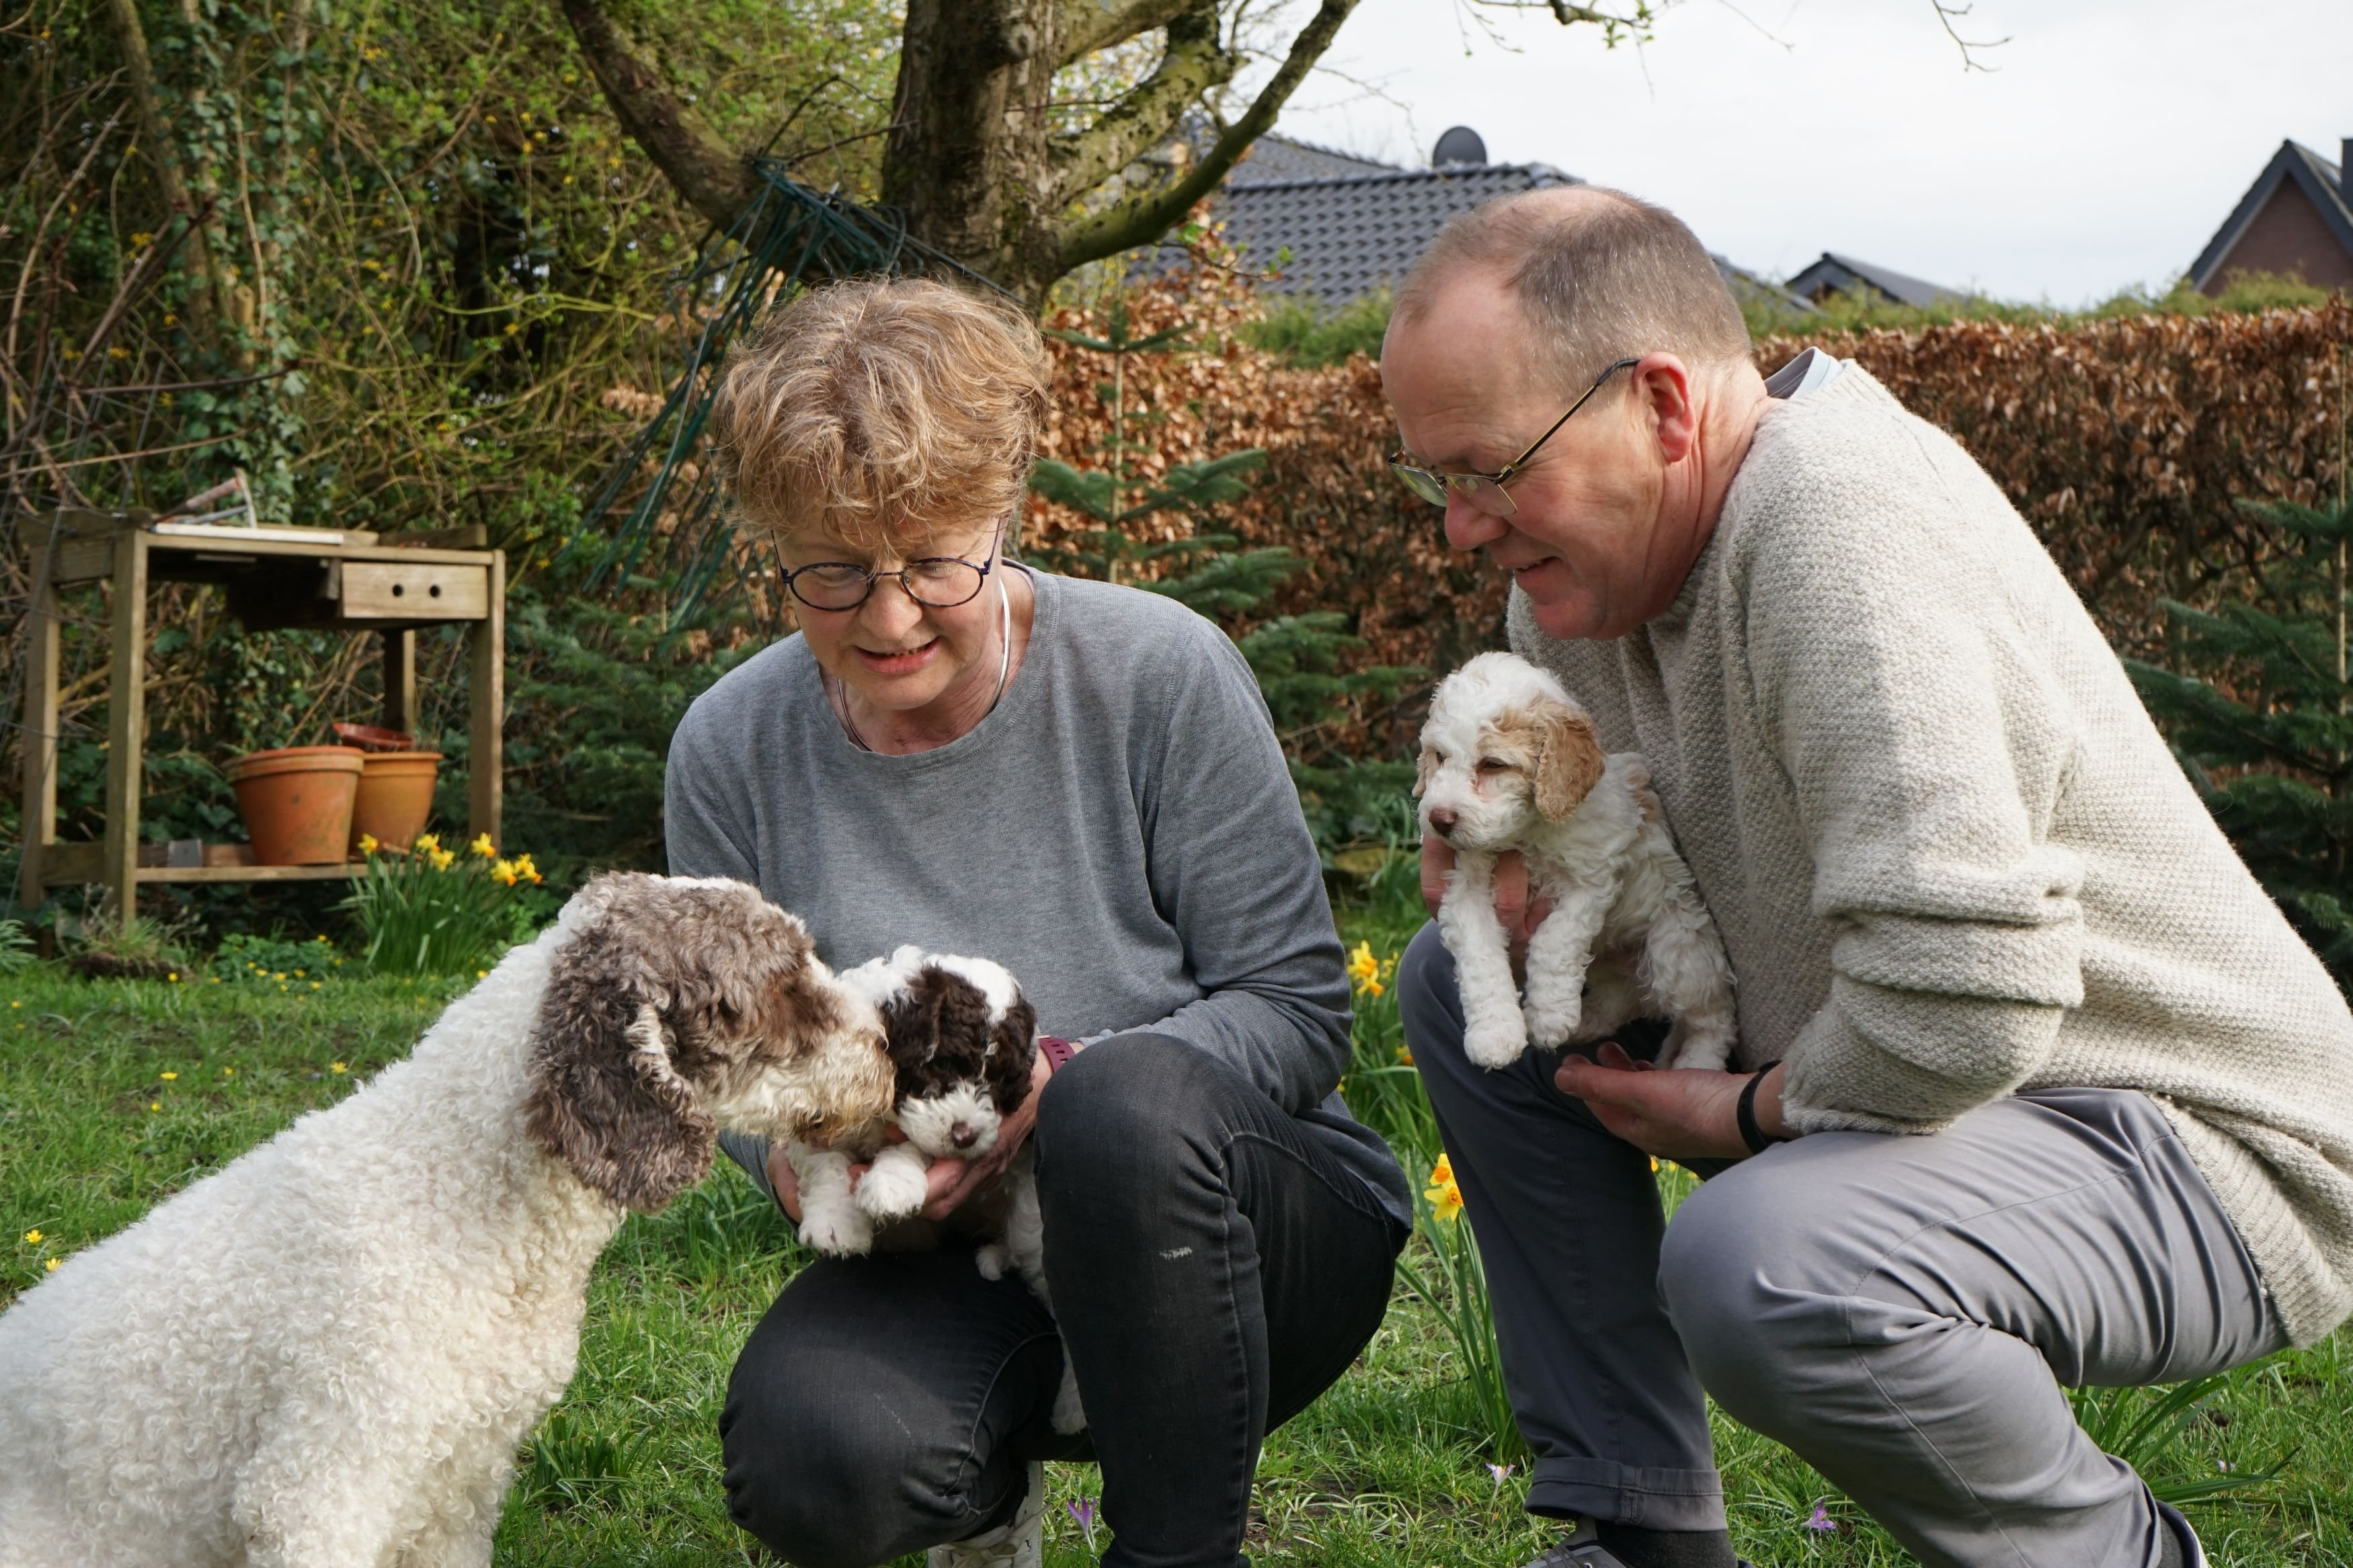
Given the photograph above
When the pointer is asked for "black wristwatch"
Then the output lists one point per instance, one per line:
(1756, 1137)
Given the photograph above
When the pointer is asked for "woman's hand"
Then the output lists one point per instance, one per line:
(953, 1181)
(1519, 914)
(1680, 1115)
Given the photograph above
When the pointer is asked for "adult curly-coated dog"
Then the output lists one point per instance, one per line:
(324, 1354)
(1510, 761)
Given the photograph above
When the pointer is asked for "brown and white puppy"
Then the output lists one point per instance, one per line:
(962, 1041)
(1509, 761)
(326, 1352)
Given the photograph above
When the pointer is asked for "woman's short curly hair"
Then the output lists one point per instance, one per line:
(889, 411)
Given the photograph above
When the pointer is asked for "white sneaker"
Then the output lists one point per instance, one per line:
(1020, 1542)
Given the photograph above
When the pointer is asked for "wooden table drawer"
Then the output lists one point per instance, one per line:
(399, 591)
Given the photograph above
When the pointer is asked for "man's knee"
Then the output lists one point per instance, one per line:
(1744, 1288)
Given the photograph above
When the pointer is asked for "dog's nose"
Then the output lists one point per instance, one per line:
(964, 1134)
(1443, 820)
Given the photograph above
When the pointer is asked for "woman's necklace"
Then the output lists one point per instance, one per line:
(841, 693)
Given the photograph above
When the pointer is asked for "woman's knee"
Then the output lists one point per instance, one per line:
(822, 1481)
(1128, 1104)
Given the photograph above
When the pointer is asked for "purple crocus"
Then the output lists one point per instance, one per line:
(1822, 1520)
(1083, 1510)
(1499, 1472)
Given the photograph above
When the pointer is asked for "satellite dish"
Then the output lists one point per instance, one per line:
(1460, 145)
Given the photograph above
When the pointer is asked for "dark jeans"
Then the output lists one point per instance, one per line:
(1212, 1269)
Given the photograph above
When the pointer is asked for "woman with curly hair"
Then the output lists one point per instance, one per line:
(1080, 781)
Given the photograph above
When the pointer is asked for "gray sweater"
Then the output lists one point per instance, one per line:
(1120, 833)
(1949, 855)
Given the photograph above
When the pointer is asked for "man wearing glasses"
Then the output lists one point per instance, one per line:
(2036, 1087)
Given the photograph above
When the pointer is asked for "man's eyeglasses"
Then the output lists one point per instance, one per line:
(1486, 491)
(940, 581)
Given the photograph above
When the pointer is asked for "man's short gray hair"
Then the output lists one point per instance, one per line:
(1601, 276)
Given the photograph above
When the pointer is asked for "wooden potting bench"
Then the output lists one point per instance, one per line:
(275, 578)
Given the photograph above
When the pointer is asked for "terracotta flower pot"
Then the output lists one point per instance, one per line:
(297, 803)
(395, 797)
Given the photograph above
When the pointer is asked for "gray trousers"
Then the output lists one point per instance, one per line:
(1900, 1311)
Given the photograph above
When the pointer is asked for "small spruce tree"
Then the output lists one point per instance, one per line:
(2264, 727)
(1297, 660)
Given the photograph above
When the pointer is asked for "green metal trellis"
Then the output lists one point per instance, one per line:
(788, 237)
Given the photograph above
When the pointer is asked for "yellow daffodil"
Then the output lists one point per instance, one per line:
(51, 1265)
(32, 1238)
(525, 869)
(503, 871)
(1445, 1197)
(369, 844)
(425, 843)
(1363, 967)
(1405, 1056)
(1654, 1164)
(170, 1076)
(483, 846)
(442, 859)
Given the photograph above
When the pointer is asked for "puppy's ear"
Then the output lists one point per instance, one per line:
(1012, 1054)
(1569, 760)
(1423, 768)
(606, 1096)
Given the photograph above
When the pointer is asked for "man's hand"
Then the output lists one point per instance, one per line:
(1678, 1115)
(1520, 914)
(952, 1181)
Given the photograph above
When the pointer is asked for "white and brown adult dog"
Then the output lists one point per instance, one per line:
(1510, 761)
(324, 1354)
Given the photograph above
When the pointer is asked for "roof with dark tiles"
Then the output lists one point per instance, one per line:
(1835, 274)
(1351, 225)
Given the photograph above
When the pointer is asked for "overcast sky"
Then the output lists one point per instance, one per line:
(2105, 150)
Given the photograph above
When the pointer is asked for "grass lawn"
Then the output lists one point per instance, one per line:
(115, 1094)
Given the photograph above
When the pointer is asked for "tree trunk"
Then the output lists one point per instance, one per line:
(967, 159)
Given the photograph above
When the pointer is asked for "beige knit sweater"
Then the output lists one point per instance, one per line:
(1949, 854)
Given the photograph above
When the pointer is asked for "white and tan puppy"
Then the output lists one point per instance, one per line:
(1510, 761)
(323, 1354)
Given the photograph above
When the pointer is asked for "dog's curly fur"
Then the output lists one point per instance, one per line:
(1509, 761)
(323, 1355)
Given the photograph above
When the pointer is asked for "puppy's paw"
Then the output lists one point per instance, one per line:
(1552, 1021)
(1496, 1042)
(1704, 1045)
(993, 1259)
(893, 1189)
(838, 1230)
(1069, 1415)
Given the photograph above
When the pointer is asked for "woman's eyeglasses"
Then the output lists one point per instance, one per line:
(938, 582)
(1486, 491)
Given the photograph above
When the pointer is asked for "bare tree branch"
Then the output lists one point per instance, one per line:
(1193, 65)
(1948, 14)
(1089, 25)
(1146, 216)
(709, 173)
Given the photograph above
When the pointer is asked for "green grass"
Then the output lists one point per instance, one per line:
(1383, 1472)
